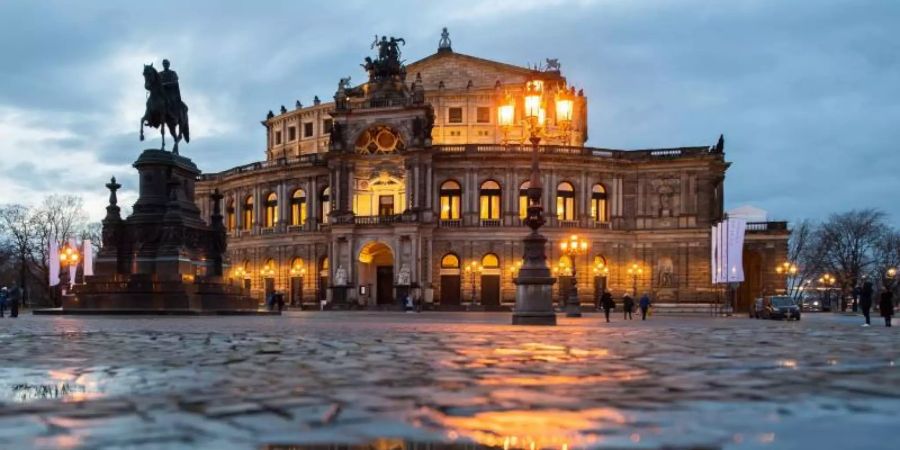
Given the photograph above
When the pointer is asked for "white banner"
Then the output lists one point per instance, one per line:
(736, 229)
(713, 263)
(88, 261)
(53, 262)
(73, 268)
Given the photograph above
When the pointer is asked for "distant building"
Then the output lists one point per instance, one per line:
(410, 176)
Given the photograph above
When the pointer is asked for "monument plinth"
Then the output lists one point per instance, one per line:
(163, 258)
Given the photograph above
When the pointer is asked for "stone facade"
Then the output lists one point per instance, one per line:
(376, 196)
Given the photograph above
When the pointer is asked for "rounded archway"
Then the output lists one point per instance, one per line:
(376, 273)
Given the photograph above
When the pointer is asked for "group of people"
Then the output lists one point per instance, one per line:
(275, 300)
(885, 305)
(607, 304)
(11, 298)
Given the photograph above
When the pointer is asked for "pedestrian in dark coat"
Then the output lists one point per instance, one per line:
(628, 305)
(645, 306)
(865, 300)
(607, 303)
(886, 305)
(4, 296)
(15, 297)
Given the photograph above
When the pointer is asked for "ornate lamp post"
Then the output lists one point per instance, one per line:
(534, 301)
(788, 270)
(573, 248)
(68, 257)
(473, 269)
(635, 270)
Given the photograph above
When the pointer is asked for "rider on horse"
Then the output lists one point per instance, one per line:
(170, 86)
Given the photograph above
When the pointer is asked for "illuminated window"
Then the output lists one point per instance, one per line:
(489, 197)
(490, 261)
(450, 196)
(325, 204)
(450, 261)
(454, 115)
(298, 208)
(565, 201)
(483, 114)
(248, 212)
(523, 200)
(598, 203)
(230, 216)
(271, 210)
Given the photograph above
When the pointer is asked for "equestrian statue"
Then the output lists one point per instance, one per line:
(164, 105)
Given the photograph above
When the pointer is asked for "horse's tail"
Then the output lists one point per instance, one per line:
(185, 129)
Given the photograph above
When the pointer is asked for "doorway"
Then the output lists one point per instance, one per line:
(490, 290)
(296, 291)
(376, 269)
(450, 280)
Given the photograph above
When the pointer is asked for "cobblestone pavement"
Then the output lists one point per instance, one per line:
(305, 378)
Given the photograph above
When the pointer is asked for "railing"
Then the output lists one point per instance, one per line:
(767, 226)
(602, 225)
(378, 220)
(568, 223)
(450, 223)
(491, 223)
(269, 230)
(323, 226)
(295, 228)
(575, 150)
(314, 159)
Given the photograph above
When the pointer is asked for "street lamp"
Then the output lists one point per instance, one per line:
(473, 269)
(68, 257)
(635, 270)
(534, 301)
(573, 248)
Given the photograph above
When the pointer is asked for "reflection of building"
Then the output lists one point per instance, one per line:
(412, 169)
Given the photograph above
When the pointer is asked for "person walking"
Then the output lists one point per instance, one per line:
(4, 295)
(645, 305)
(15, 297)
(607, 303)
(628, 306)
(886, 305)
(865, 301)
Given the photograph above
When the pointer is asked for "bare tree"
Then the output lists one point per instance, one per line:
(18, 229)
(59, 218)
(887, 257)
(801, 252)
(848, 241)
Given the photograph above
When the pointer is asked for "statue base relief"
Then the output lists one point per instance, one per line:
(162, 259)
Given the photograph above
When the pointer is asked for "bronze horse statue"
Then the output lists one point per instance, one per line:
(161, 113)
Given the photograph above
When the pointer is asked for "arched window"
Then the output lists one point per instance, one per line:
(489, 197)
(230, 216)
(490, 261)
(271, 210)
(598, 203)
(564, 266)
(565, 201)
(298, 268)
(325, 204)
(248, 212)
(523, 199)
(450, 196)
(268, 269)
(298, 208)
(450, 261)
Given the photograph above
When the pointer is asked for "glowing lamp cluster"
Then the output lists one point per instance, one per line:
(574, 246)
(786, 268)
(535, 103)
(69, 256)
(827, 279)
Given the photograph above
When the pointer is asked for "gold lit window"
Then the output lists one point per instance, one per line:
(325, 204)
(598, 203)
(523, 200)
(271, 210)
(298, 208)
(489, 197)
(248, 212)
(450, 261)
(450, 196)
(565, 201)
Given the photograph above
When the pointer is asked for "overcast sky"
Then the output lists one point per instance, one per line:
(805, 91)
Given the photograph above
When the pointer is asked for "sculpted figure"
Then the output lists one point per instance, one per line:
(340, 276)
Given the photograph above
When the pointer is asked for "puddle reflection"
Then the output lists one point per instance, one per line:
(22, 386)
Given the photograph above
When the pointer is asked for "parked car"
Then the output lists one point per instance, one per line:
(775, 307)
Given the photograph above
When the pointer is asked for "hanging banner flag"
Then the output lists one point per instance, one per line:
(88, 260)
(713, 263)
(53, 262)
(735, 246)
(73, 268)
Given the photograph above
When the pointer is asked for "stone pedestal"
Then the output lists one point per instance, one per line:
(163, 258)
(534, 286)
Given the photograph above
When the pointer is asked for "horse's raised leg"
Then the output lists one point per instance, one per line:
(142, 129)
(177, 137)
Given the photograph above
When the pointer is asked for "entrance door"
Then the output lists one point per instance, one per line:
(565, 286)
(450, 285)
(270, 287)
(296, 291)
(247, 285)
(490, 290)
(599, 287)
(384, 283)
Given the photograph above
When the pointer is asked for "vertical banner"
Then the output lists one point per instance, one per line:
(88, 260)
(53, 262)
(73, 268)
(713, 266)
(736, 229)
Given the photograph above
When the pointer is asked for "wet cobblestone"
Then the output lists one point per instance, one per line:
(244, 382)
